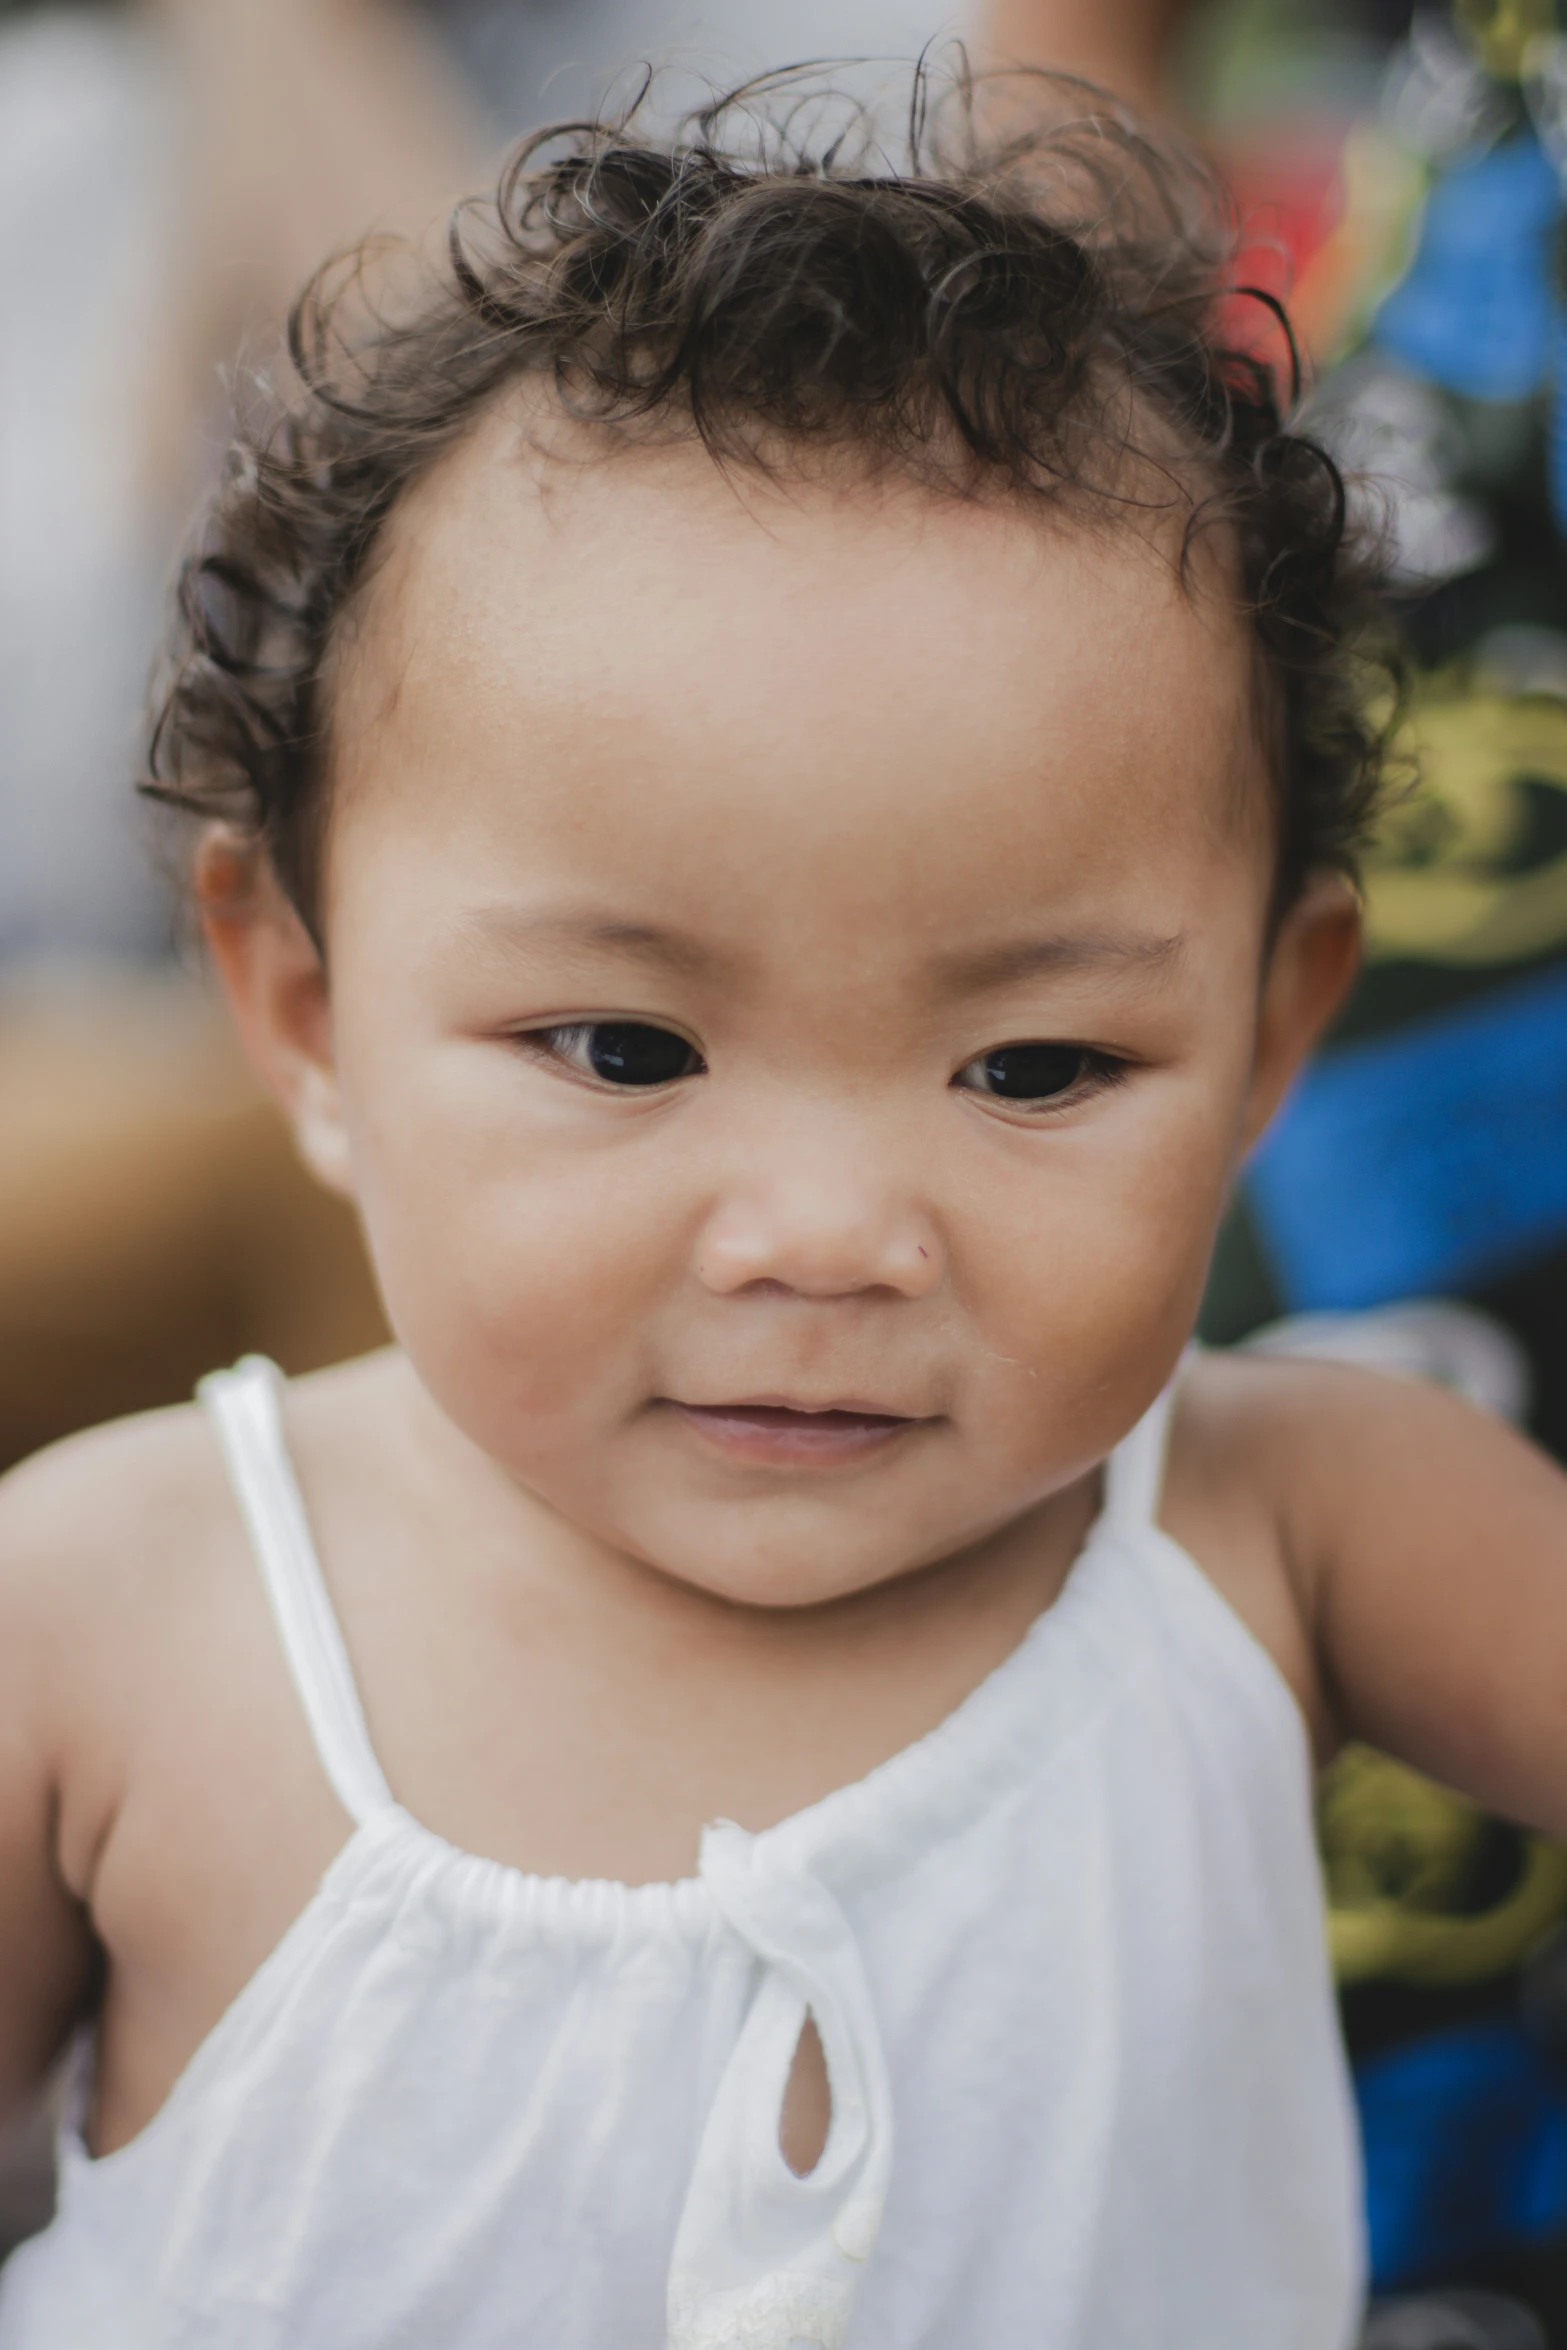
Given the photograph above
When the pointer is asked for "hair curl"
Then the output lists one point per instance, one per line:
(1046, 308)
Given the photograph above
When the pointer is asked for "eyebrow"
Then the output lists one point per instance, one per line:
(646, 942)
(1011, 960)
(971, 972)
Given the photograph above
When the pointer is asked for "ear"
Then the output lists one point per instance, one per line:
(276, 984)
(1310, 971)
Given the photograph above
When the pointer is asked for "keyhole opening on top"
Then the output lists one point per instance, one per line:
(807, 2104)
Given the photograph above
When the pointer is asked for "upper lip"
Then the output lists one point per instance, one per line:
(850, 1406)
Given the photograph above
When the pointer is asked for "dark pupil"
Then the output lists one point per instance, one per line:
(626, 1053)
(1032, 1072)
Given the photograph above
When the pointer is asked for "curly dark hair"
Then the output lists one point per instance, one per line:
(1045, 306)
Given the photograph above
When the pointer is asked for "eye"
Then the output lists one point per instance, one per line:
(620, 1052)
(1027, 1073)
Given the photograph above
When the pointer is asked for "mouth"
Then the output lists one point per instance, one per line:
(780, 1435)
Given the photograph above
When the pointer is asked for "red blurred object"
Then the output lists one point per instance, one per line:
(1289, 195)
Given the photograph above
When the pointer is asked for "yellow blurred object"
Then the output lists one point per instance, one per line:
(1503, 32)
(1455, 877)
(1399, 1856)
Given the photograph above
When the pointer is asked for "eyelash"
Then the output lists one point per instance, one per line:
(1096, 1071)
(556, 1045)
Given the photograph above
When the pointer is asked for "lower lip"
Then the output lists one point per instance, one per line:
(776, 1438)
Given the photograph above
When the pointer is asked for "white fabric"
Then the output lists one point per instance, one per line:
(249, 1424)
(762, 2257)
(1065, 1955)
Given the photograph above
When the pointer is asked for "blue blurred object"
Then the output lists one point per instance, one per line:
(1474, 311)
(1466, 2151)
(1421, 1160)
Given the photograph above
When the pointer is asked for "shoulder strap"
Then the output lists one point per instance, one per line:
(244, 1405)
(1134, 1473)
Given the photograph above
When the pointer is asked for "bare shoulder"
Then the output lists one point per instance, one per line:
(162, 1809)
(97, 1538)
(129, 1511)
(117, 1506)
(1236, 1423)
(125, 1520)
(1305, 1439)
(102, 1538)
(1245, 1413)
(1417, 1545)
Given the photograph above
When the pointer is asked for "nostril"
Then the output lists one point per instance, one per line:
(806, 2117)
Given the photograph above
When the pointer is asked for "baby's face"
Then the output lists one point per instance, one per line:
(795, 972)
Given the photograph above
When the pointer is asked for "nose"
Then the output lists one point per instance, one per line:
(820, 1221)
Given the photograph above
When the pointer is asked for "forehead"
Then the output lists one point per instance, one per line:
(626, 655)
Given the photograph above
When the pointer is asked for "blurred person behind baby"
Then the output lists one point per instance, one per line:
(166, 173)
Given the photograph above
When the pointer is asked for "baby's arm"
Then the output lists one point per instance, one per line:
(46, 1948)
(1426, 1547)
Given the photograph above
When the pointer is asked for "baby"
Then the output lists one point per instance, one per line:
(780, 763)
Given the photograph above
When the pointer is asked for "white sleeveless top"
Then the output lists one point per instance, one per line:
(1065, 1954)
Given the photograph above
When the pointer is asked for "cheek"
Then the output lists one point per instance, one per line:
(1092, 1269)
(514, 1272)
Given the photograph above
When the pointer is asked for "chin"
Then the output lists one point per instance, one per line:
(786, 1593)
(810, 1572)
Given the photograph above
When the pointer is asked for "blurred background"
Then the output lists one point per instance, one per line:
(169, 172)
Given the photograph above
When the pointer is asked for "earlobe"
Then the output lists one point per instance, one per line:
(276, 985)
(1310, 972)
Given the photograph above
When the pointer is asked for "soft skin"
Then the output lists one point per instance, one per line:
(804, 779)
(848, 787)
